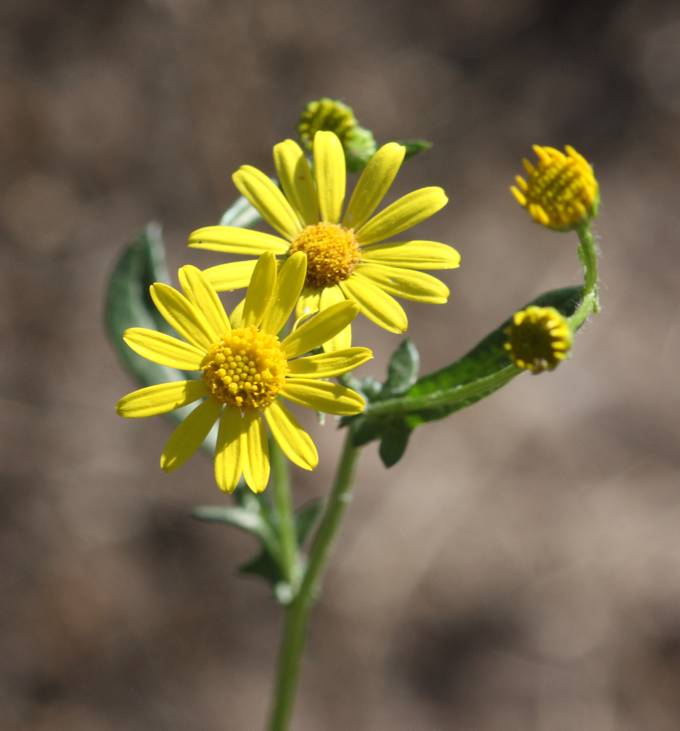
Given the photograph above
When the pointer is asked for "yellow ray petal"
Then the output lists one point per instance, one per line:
(331, 296)
(289, 283)
(189, 435)
(319, 328)
(272, 205)
(236, 317)
(296, 180)
(402, 214)
(406, 283)
(327, 365)
(330, 398)
(296, 444)
(373, 184)
(233, 240)
(375, 304)
(181, 315)
(260, 290)
(160, 399)
(229, 450)
(413, 255)
(256, 457)
(330, 174)
(163, 349)
(308, 302)
(205, 298)
(227, 277)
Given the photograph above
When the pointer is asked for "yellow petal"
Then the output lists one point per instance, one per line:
(406, 283)
(270, 202)
(296, 180)
(182, 315)
(375, 304)
(233, 240)
(256, 457)
(331, 398)
(236, 317)
(229, 450)
(327, 365)
(375, 181)
(227, 277)
(413, 255)
(331, 175)
(331, 296)
(296, 444)
(189, 435)
(402, 214)
(308, 302)
(319, 328)
(260, 290)
(160, 399)
(163, 349)
(205, 298)
(289, 283)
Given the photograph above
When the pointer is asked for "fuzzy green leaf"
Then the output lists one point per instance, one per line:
(479, 373)
(128, 304)
(402, 371)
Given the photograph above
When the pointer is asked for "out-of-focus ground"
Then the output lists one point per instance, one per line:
(520, 568)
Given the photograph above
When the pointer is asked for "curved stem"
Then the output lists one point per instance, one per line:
(590, 303)
(297, 613)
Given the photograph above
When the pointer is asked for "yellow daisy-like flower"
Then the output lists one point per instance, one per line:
(561, 191)
(350, 255)
(244, 370)
(538, 338)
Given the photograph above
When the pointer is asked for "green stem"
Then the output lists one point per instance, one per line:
(297, 613)
(590, 303)
(289, 556)
(443, 397)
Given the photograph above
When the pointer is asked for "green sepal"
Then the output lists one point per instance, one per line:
(479, 373)
(414, 147)
(360, 146)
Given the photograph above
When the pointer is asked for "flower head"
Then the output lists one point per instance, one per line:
(561, 191)
(244, 370)
(351, 254)
(538, 338)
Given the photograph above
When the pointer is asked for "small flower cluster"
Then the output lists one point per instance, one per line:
(327, 261)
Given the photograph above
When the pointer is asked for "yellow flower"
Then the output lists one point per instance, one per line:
(244, 371)
(349, 256)
(538, 338)
(561, 191)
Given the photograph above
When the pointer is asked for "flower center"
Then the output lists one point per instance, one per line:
(538, 338)
(246, 369)
(332, 253)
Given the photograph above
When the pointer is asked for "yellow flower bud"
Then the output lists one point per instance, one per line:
(561, 191)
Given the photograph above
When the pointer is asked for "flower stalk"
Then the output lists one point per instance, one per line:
(297, 613)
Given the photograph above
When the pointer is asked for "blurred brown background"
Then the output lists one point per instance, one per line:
(520, 568)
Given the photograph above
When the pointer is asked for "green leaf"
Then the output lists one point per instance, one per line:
(394, 442)
(402, 371)
(413, 147)
(128, 304)
(240, 214)
(479, 373)
(256, 516)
